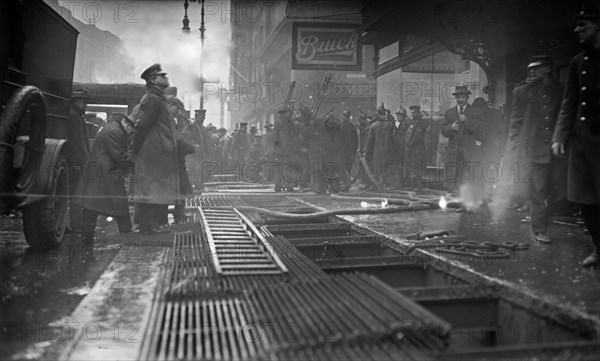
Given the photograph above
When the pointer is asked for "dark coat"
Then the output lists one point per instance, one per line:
(156, 178)
(400, 141)
(184, 148)
(102, 186)
(494, 135)
(379, 148)
(77, 147)
(414, 141)
(349, 140)
(533, 118)
(579, 127)
(464, 145)
(322, 139)
(240, 145)
(286, 138)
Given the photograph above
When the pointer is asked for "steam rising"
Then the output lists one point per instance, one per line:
(151, 33)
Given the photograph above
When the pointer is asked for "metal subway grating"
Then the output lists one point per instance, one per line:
(205, 330)
(342, 309)
(237, 247)
(218, 200)
(389, 350)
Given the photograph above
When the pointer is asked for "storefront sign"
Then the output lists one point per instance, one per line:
(318, 46)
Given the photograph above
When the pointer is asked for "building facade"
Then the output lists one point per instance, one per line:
(99, 56)
(262, 61)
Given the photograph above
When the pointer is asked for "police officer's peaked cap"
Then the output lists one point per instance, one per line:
(415, 108)
(539, 60)
(200, 112)
(381, 110)
(243, 124)
(153, 70)
(589, 11)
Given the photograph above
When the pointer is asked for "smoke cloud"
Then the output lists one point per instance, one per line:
(151, 33)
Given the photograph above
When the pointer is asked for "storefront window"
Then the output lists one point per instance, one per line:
(429, 82)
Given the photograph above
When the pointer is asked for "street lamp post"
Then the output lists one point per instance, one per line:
(186, 29)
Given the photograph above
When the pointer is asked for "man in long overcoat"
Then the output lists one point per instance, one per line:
(379, 147)
(101, 189)
(534, 114)
(399, 143)
(414, 149)
(464, 130)
(578, 127)
(155, 151)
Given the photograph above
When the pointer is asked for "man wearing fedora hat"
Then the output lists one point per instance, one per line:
(534, 114)
(578, 127)
(154, 149)
(464, 152)
(77, 147)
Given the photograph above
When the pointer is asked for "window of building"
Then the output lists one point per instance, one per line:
(429, 82)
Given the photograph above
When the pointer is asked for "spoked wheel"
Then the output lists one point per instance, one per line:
(45, 221)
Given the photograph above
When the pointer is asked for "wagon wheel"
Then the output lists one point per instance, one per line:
(45, 221)
(22, 136)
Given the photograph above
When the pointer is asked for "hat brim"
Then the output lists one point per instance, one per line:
(536, 64)
(457, 93)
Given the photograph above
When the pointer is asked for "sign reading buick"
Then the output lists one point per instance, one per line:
(319, 46)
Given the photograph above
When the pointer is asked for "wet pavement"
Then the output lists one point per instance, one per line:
(551, 271)
(41, 292)
(39, 289)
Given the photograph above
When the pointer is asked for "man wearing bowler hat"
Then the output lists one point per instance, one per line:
(534, 114)
(77, 147)
(464, 152)
(578, 127)
(155, 153)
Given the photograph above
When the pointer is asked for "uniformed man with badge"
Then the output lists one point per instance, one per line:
(578, 129)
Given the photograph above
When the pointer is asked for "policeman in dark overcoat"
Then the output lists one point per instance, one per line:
(155, 151)
(101, 189)
(578, 127)
(534, 113)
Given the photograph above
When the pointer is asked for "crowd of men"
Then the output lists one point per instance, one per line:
(148, 149)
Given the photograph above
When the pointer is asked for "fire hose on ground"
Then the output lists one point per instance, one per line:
(337, 212)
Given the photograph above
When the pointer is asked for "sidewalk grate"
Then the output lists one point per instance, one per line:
(236, 246)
